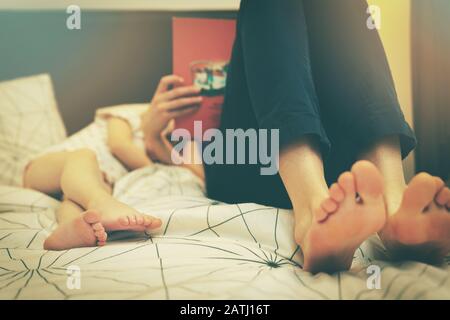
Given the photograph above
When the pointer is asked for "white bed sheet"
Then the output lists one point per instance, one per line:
(204, 250)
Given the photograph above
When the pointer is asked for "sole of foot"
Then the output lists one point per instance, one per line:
(353, 211)
(84, 231)
(420, 229)
(118, 216)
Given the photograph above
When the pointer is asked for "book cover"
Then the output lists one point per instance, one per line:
(201, 54)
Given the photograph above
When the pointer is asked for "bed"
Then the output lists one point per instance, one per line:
(204, 250)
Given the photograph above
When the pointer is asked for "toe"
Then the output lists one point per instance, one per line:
(147, 221)
(101, 235)
(156, 223)
(441, 229)
(329, 205)
(347, 183)
(124, 221)
(132, 219)
(320, 214)
(368, 180)
(439, 183)
(98, 227)
(139, 219)
(91, 216)
(336, 193)
(443, 197)
(420, 192)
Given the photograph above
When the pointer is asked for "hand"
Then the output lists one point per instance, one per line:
(168, 104)
(159, 149)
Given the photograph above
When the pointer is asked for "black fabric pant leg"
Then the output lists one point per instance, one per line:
(353, 81)
(269, 86)
(277, 69)
(286, 52)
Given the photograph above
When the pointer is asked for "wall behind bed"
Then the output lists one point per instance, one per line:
(117, 56)
(124, 47)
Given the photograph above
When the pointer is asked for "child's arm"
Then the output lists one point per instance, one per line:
(195, 166)
(159, 150)
(120, 142)
(162, 149)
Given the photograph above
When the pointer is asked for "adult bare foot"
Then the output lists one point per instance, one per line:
(343, 221)
(118, 216)
(84, 231)
(420, 229)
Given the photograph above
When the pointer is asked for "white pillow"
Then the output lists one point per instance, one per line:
(29, 122)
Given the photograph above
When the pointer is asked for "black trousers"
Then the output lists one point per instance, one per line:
(306, 67)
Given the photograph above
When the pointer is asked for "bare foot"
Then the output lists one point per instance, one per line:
(84, 231)
(343, 221)
(118, 216)
(420, 229)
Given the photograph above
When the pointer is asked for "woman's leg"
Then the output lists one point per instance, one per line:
(331, 224)
(269, 86)
(363, 119)
(353, 80)
(418, 223)
(272, 48)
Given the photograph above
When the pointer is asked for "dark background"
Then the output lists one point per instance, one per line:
(431, 85)
(116, 57)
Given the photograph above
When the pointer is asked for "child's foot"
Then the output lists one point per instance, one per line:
(84, 231)
(420, 229)
(343, 221)
(118, 216)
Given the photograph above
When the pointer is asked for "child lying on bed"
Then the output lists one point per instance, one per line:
(85, 166)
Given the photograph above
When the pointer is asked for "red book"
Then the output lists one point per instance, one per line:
(201, 55)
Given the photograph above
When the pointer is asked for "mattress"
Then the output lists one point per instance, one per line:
(204, 250)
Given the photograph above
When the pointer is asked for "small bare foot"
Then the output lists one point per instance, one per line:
(84, 231)
(420, 229)
(118, 216)
(343, 221)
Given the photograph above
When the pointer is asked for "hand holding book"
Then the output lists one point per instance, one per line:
(171, 100)
(201, 51)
